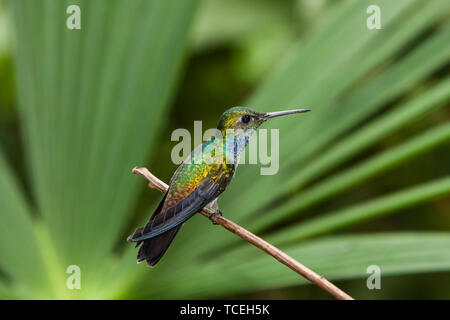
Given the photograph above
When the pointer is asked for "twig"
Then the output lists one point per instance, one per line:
(285, 259)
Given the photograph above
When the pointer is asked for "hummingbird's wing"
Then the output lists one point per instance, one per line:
(172, 217)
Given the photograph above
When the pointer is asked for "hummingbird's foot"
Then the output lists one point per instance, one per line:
(213, 214)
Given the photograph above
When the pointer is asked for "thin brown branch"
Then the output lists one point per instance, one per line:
(285, 259)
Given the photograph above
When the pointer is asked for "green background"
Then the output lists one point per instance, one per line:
(363, 180)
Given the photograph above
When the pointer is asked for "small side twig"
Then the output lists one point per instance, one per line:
(285, 259)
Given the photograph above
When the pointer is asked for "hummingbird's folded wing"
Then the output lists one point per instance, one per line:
(168, 219)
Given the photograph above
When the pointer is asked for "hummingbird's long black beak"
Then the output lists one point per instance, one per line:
(270, 115)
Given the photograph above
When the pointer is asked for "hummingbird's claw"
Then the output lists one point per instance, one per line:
(213, 214)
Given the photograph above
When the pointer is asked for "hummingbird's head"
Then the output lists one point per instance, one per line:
(247, 119)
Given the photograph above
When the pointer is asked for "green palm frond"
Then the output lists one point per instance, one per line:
(92, 102)
(92, 106)
(21, 256)
(339, 257)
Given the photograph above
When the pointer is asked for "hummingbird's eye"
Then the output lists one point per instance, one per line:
(245, 118)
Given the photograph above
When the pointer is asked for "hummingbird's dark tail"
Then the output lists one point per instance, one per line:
(153, 249)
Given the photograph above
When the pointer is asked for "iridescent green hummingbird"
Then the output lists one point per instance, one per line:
(200, 179)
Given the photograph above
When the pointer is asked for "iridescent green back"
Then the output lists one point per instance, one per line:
(195, 169)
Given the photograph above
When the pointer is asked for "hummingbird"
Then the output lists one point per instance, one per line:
(200, 180)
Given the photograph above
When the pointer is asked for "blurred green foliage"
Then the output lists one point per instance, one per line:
(364, 178)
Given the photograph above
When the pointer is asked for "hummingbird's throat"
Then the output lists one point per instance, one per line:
(221, 149)
(235, 142)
